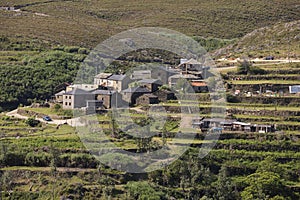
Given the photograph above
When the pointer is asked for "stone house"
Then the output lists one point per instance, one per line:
(131, 94)
(101, 79)
(151, 84)
(106, 96)
(165, 95)
(118, 82)
(76, 98)
(147, 99)
(59, 96)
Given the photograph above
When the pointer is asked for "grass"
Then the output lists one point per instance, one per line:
(82, 23)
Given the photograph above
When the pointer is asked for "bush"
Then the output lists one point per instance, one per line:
(71, 49)
(32, 122)
(41, 159)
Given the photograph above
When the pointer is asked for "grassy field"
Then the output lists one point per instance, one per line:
(86, 23)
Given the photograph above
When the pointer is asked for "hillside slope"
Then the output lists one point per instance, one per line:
(281, 40)
(86, 23)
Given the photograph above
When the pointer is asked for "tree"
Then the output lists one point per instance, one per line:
(225, 189)
(244, 67)
(32, 122)
(143, 191)
(262, 185)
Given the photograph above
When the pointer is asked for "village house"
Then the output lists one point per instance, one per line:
(189, 65)
(101, 79)
(147, 99)
(76, 98)
(173, 80)
(131, 94)
(118, 82)
(109, 97)
(59, 96)
(151, 84)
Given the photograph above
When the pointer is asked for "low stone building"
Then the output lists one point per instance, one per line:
(106, 96)
(199, 86)
(151, 84)
(131, 94)
(165, 95)
(147, 99)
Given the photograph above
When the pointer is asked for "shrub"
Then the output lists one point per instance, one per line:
(32, 122)
(41, 159)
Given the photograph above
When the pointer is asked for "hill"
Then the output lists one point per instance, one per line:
(280, 40)
(86, 23)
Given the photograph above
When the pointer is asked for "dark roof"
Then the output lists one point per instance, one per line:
(116, 77)
(150, 81)
(77, 91)
(104, 92)
(136, 90)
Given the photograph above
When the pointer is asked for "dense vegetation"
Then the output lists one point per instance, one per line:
(30, 75)
(45, 162)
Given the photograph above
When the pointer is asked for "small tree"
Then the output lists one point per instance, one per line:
(244, 67)
(32, 122)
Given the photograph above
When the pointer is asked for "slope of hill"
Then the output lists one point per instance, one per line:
(281, 40)
(86, 23)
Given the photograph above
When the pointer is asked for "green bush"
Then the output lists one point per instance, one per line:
(32, 122)
(38, 159)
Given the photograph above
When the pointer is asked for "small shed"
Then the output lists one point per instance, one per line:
(199, 86)
(147, 99)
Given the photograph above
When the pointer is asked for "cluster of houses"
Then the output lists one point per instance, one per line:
(141, 87)
(221, 124)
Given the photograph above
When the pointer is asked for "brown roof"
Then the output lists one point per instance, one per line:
(198, 84)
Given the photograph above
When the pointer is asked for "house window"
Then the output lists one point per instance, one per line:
(102, 98)
(66, 103)
(66, 97)
(69, 97)
(69, 104)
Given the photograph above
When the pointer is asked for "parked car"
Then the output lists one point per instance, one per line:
(47, 118)
(269, 58)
